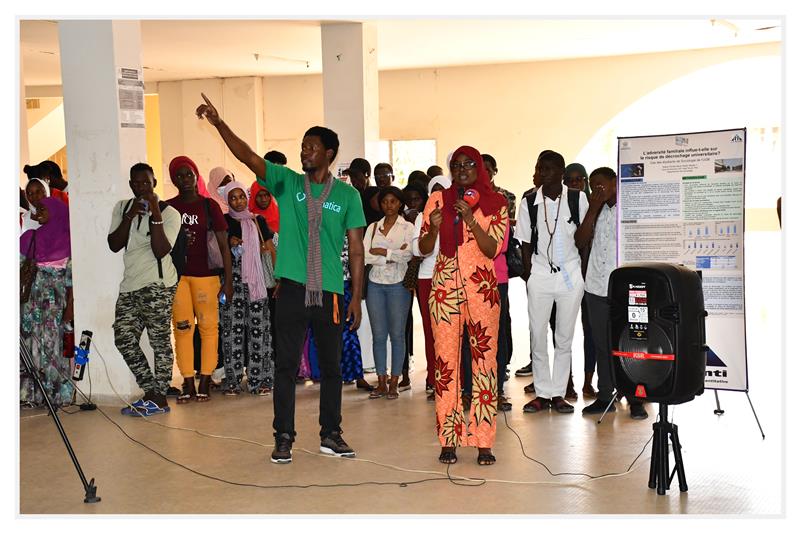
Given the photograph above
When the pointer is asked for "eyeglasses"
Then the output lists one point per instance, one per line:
(390, 176)
(466, 165)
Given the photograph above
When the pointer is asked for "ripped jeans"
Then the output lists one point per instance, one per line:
(196, 297)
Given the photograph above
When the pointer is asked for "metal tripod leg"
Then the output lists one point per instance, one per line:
(663, 481)
(747, 393)
(718, 410)
(676, 450)
(89, 487)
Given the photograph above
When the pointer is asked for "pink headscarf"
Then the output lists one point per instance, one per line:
(215, 177)
(252, 268)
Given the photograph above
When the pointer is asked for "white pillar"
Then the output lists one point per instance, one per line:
(350, 88)
(103, 142)
(24, 154)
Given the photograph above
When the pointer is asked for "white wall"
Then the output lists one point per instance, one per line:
(512, 111)
(47, 136)
(239, 101)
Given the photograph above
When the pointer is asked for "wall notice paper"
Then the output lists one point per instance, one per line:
(130, 85)
(681, 200)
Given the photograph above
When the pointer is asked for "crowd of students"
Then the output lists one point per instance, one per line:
(275, 277)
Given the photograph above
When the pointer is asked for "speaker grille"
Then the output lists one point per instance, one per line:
(652, 374)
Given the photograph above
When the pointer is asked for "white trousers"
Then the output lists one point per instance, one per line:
(365, 338)
(543, 291)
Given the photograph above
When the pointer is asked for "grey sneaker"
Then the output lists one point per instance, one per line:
(282, 453)
(334, 444)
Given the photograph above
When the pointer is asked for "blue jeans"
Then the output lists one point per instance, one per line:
(387, 305)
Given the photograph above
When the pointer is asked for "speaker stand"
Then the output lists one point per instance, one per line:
(660, 476)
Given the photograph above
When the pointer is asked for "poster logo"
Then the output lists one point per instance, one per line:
(713, 360)
(737, 138)
(625, 145)
(681, 141)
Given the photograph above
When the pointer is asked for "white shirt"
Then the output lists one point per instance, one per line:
(429, 261)
(562, 251)
(141, 266)
(603, 259)
(392, 267)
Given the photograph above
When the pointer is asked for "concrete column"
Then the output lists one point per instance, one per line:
(24, 154)
(100, 152)
(350, 88)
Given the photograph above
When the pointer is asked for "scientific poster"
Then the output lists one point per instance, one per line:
(681, 200)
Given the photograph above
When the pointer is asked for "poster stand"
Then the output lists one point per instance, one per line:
(680, 200)
(719, 411)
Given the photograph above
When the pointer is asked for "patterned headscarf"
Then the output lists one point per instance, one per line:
(252, 268)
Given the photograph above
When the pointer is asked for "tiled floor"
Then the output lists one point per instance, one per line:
(730, 469)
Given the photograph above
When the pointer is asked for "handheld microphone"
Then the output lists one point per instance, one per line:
(472, 197)
(460, 197)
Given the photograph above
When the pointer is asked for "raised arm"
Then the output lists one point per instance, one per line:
(238, 147)
(585, 232)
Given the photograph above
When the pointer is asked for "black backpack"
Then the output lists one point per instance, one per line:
(514, 258)
(573, 197)
(178, 251)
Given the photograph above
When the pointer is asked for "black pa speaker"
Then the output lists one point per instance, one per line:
(658, 336)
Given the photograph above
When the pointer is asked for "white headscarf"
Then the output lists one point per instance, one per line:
(440, 180)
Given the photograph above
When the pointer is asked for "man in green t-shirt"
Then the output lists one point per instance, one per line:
(316, 211)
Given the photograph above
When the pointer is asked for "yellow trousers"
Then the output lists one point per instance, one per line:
(196, 297)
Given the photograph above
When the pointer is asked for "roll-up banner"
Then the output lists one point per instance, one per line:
(681, 200)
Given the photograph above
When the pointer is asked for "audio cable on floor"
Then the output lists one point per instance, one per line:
(444, 476)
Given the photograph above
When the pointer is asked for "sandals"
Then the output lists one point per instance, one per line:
(448, 456)
(503, 404)
(188, 393)
(485, 457)
(231, 392)
(536, 405)
(561, 405)
(203, 389)
(379, 391)
(263, 390)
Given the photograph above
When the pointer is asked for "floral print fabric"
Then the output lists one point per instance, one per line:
(464, 294)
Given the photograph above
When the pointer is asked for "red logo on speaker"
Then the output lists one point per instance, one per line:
(640, 392)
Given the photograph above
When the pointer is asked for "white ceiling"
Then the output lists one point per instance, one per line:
(193, 49)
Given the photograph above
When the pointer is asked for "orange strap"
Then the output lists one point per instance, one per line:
(336, 317)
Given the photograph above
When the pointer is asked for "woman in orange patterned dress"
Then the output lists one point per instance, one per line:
(464, 294)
